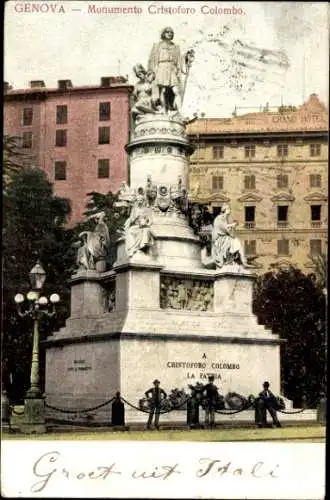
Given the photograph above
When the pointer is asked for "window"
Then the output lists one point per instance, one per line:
(250, 151)
(27, 140)
(217, 182)
(315, 149)
(315, 247)
(282, 215)
(282, 181)
(104, 111)
(27, 116)
(315, 180)
(283, 247)
(249, 217)
(60, 170)
(103, 169)
(61, 114)
(218, 152)
(104, 135)
(60, 138)
(316, 212)
(250, 247)
(249, 182)
(201, 150)
(282, 150)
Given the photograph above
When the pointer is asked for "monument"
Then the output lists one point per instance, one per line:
(167, 309)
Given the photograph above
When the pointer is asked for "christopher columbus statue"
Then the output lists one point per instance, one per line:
(168, 65)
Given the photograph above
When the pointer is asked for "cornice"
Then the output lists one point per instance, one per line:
(316, 196)
(249, 197)
(282, 197)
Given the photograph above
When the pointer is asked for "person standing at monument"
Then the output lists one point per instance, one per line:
(266, 401)
(211, 392)
(155, 395)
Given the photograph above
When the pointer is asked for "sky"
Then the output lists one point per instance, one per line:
(266, 52)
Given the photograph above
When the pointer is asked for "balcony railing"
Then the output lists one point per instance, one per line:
(282, 223)
(249, 225)
(316, 223)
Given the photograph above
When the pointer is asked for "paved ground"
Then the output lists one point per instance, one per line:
(307, 433)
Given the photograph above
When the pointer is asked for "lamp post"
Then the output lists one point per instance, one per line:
(34, 403)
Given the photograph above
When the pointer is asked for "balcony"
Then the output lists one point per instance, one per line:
(249, 225)
(282, 223)
(316, 223)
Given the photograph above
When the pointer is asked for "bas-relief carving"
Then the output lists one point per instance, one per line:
(192, 295)
(161, 87)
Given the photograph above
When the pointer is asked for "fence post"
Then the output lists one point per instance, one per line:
(118, 414)
(322, 409)
(5, 410)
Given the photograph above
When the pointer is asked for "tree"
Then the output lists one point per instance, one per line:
(33, 227)
(293, 305)
(320, 265)
(13, 158)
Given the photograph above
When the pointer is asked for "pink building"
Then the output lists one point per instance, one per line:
(75, 134)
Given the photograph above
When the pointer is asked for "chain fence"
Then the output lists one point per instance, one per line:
(225, 411)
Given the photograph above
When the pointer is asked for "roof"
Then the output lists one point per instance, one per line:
(56, 90)
(310, 116)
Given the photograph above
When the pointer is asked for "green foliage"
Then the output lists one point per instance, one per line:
(294, 306)
(13, 158)
(33, 227)
(320, 267)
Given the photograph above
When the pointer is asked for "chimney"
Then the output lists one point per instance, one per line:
(34, 84)
(6, 87)
(106, 81)
(64, 84)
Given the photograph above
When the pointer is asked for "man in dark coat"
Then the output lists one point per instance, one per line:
(117, 412)
(266, 401)
(155, 395)
(211, 392)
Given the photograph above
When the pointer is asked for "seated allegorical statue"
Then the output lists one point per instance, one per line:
(137, 228)
(226, 247)
(95, 244)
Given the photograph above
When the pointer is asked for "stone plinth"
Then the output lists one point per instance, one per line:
(159, 148)
(34, 416)
(87, 295)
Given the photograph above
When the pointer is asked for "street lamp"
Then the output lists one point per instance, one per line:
(34, 404)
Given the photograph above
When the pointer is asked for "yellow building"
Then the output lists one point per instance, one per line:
(272, 170)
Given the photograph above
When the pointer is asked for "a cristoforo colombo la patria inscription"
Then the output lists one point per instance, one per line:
(203, 369)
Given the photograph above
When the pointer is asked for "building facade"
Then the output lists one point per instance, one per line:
(272, 170)
(74, 134)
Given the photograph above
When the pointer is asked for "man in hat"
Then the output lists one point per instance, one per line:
(266, 401)
(155, 395)
(211, 392)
